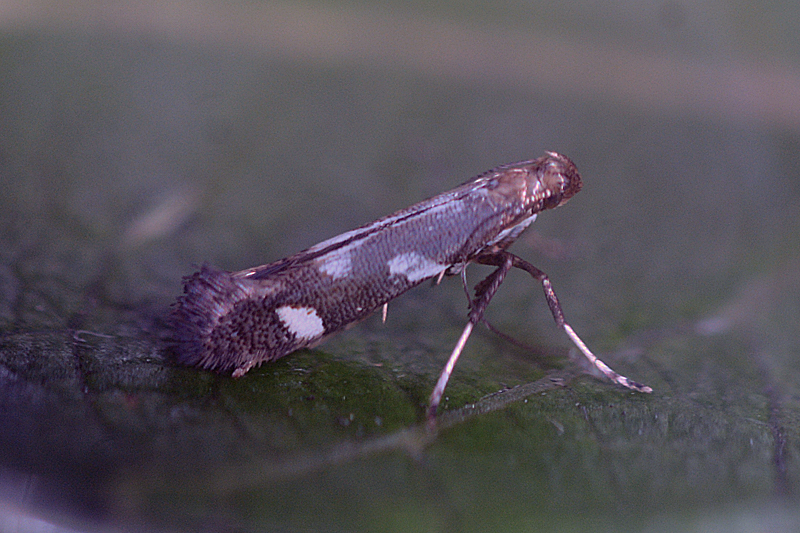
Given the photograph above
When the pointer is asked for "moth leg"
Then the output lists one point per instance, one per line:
(242, 369)
(504, 336)
(466, 287)
(503, 257)
(484, 292)
(384, 312)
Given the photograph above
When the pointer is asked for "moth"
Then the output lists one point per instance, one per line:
(230, 322)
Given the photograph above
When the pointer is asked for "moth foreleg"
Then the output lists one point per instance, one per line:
(558, 315)
(484, 292)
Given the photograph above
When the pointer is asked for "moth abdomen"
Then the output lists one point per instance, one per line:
(217, 326)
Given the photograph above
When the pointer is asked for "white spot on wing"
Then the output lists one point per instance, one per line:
(337, 264)
(304, 322)
(414, 267)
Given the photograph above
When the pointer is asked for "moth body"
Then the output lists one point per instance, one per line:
(233, 321)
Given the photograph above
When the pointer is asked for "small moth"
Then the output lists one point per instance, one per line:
(234, 321)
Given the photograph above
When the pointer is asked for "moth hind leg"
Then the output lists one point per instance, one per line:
(244, 368)
(484, 292)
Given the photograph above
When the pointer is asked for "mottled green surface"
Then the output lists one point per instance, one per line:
(128, 158)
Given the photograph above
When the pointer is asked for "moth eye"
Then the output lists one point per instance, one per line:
(552, 178)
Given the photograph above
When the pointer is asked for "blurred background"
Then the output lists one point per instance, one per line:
(139, 140)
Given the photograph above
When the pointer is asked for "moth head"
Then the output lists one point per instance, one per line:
(555, 180)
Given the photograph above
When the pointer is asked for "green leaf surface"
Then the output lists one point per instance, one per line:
(139, 148)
